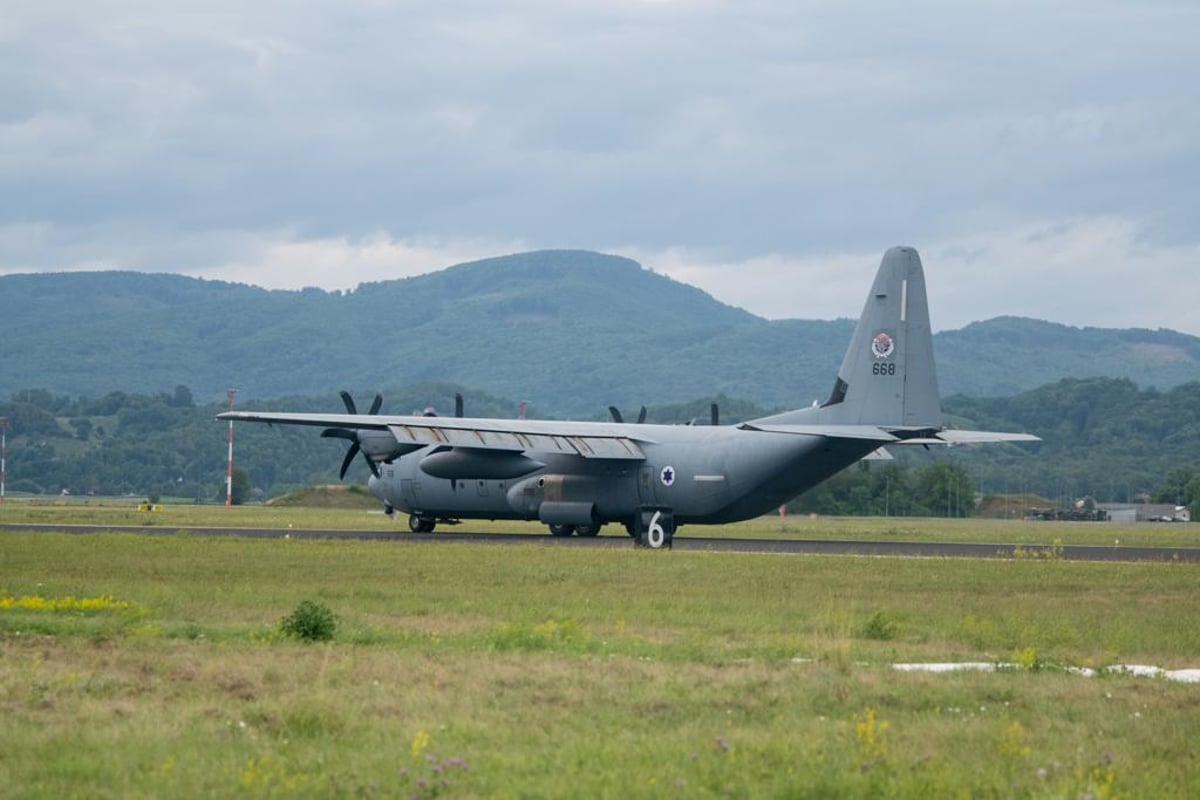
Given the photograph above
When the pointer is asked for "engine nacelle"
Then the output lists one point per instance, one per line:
(464, 463)
(382, 445)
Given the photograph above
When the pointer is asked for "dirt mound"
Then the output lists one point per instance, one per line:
(327, 496)
(1010, 506)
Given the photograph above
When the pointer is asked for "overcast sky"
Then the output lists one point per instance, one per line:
(1043, 157)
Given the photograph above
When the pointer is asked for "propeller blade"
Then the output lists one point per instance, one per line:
(352, 435)
(616, 415)
(715, 413)
(641, 416)
(458, 404)
(351, 452)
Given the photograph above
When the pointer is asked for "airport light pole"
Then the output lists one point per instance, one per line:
(229, 468)
(3, 456)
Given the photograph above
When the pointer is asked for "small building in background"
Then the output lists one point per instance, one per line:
(1146, 512)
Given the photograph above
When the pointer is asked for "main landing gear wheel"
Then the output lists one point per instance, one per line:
(418, 524)
(587, 530)
(562, 530)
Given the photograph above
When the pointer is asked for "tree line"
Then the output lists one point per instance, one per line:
(1104, 438)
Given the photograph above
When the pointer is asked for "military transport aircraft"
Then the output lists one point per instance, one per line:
(576, 476)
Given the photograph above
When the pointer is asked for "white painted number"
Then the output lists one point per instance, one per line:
(655, 535)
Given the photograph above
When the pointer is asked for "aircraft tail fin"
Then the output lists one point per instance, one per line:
(887, 377)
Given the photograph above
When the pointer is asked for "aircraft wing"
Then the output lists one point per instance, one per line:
(517, 439)
(589, 440)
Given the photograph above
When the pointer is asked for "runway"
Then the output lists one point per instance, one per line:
(684, 543)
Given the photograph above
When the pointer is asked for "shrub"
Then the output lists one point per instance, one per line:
(883, 626)
(311, 622)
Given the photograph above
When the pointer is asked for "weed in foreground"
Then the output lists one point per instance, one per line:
(37, 602)
(552, 634)
(1050, 553)
(434, 779)
(869, 738)
(883, 626)
(310, 622)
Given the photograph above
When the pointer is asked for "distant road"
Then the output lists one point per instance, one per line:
(785, 546)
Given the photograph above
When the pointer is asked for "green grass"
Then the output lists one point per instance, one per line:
(537, 672)
(939, 529)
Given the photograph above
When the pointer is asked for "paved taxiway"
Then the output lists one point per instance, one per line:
(786, 546)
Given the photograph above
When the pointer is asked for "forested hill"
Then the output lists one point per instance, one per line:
(1007, 355)
(570, 330)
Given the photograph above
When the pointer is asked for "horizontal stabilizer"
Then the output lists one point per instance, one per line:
(896, 436)
(869, 432)
(972, 437)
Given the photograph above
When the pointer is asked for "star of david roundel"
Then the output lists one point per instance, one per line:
(883, 345)
(667, 476)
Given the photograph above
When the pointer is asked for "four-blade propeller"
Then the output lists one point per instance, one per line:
(616, 415)
(714, 415)
(352, 435)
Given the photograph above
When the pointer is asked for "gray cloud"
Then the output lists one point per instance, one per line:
(714, 139)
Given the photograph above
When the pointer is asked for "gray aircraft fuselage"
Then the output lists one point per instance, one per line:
(703, 474)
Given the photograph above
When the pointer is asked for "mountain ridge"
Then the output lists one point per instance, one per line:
(571, 330)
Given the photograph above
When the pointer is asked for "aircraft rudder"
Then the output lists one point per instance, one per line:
(888, 376)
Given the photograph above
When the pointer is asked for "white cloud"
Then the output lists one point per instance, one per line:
(1100, 271)
(1097, 271)
(766, 151)
(342, 263)
(1093, 271)
(274, 259)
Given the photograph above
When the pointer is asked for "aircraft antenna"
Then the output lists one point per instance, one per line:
(229, 469)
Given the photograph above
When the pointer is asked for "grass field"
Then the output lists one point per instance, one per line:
(155, 666)
(124, 512)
